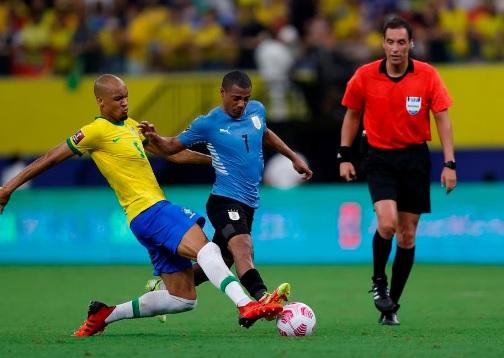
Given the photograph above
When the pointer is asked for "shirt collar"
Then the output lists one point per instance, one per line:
(409, 69)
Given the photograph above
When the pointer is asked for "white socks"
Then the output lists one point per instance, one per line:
(151, 304)
(210, 260)
(161, 302)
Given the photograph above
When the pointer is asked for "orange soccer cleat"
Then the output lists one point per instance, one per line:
(95, 322)
(279, 294)
(254, 311)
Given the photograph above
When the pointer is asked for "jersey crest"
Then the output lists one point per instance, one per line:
(256, 121)
(413, 105)
(233, 215)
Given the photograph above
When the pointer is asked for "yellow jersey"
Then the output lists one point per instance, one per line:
(117, 150)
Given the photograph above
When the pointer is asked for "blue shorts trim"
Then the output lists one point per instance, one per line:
(160, 229)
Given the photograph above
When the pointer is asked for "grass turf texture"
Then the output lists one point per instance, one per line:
(448, 311)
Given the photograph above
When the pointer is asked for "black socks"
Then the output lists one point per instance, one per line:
(401, 269)
(199, 275)
(381, 252)
(253, 283)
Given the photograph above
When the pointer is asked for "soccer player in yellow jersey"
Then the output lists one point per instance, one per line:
(171, 234)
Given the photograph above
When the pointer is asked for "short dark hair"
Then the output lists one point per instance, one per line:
(396, 22)
(239, 78)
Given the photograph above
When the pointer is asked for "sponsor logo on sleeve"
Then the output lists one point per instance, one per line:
(77, 137)
(413, 105)
(188, 212)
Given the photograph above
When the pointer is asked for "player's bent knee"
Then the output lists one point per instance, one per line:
(387, 230)
(406, 241)
(406, 236)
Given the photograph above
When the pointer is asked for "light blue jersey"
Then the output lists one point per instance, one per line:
(235, 145)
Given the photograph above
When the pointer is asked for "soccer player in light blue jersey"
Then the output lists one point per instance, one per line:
(234, 134)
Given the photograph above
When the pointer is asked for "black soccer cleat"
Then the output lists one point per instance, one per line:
(389, 319)
(381, 297)
(246, 322)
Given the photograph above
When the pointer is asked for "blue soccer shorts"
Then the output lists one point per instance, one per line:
(160, 229)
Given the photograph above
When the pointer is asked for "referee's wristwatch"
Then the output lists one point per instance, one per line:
(450, 164)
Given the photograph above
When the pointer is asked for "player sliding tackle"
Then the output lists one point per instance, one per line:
(171, 234)
(234, 134)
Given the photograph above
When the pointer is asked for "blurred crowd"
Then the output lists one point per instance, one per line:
(40, 36)
(315, 43)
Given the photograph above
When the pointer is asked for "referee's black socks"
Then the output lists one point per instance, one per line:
(253, 283)
(381, 252)
(401, 269)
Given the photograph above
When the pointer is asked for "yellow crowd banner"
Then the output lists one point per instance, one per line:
(41, 113)
(37, 114)
(478, 110)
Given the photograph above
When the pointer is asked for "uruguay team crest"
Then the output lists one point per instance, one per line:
(413, 105)
(257, 121)
(233, 215)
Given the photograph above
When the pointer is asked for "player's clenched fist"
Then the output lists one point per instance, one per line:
(347, 171)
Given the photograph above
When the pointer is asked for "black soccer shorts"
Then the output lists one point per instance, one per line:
(229, 218)
(402, 175)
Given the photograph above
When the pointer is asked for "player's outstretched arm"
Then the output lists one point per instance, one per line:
(272, 140)
(190, 157)
(41, 164)
(162, 146)
(170, 148)
(445, 131)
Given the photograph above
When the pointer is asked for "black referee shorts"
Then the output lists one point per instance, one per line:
(229, 218)
(402, 175)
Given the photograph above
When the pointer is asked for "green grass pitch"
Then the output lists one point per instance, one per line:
(448, 311)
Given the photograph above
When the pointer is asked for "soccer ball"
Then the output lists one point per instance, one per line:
(296, 319)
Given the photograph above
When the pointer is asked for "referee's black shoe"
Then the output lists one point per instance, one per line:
(381, 297)
(390, 318)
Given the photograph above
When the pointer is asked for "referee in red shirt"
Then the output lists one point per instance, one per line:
(394, 96)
